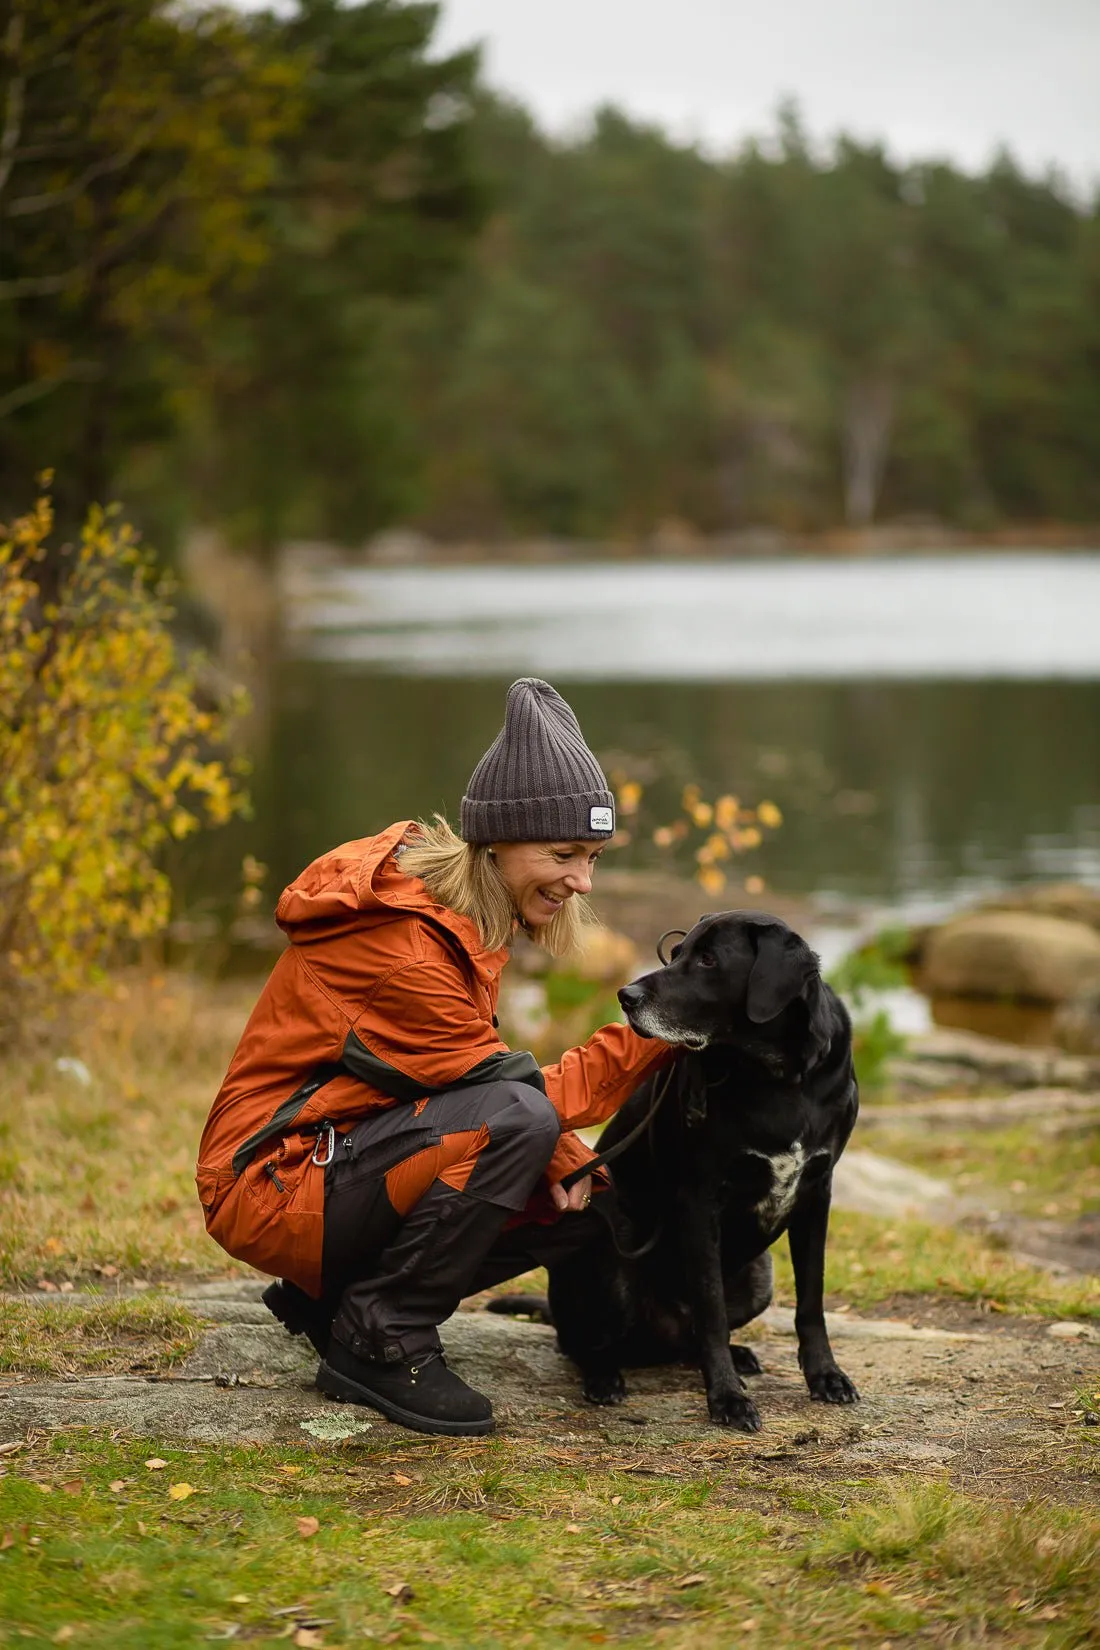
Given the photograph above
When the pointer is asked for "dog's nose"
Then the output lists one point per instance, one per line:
(630, 996)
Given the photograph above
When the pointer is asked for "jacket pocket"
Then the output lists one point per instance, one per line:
(211, 1185)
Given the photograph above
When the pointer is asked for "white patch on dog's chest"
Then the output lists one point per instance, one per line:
(786, 1168)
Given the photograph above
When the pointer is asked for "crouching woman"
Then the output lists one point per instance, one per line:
(375, 1145)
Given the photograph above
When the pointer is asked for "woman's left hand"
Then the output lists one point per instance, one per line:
(578, 1196)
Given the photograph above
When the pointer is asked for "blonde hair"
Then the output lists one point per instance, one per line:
(465, 877)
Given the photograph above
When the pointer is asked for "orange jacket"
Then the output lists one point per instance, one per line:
(382, 995)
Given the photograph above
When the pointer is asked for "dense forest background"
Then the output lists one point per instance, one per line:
(298, 276)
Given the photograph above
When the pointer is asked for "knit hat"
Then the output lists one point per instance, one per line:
(538, 781)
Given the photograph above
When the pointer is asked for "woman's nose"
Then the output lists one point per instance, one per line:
(579, 879)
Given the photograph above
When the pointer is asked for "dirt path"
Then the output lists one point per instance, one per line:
(990, 1401)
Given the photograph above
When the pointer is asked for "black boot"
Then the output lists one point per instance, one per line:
(418, 1392)
(300, 1314)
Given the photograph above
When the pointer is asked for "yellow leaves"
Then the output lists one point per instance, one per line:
(308, 1526)
(629, 796)
(180, 1492)
(711, 879)
(769, 815)
(104, 753)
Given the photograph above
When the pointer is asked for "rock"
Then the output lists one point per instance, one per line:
(1071, 901)
(1014, 954)
(967, 1060)
(1077, 1022)
(876, 1185)
(1066, 1331)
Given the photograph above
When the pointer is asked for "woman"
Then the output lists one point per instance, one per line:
(374, 1143)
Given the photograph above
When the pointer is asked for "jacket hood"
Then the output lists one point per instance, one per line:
(360, 885)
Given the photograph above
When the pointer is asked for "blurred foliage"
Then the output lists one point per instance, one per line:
(110, 749)
(858, 977)
(295, 274)
(714, 833)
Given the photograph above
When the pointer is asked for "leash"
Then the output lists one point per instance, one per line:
(620, 1146)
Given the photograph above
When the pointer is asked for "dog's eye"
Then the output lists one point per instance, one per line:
(706, 960)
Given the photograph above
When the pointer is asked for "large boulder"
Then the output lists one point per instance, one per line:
(1013, 954)
(1072, 901)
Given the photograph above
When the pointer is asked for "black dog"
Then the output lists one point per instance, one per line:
(740, 1148)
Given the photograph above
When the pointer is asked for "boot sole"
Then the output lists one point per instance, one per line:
(293, 1319)
(346, 1391)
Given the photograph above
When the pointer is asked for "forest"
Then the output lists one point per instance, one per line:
(300, 276)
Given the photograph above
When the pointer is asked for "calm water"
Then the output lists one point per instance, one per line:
(927, 726)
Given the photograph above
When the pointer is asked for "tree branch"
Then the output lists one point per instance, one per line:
(13, 103)
(38, 388)
(27, 204)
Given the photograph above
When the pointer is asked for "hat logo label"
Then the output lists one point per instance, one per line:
(601, 819)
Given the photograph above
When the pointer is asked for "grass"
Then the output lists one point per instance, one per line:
(871, 1259)
(466, 1543)
(1025, 1168)
(109, 1336)
(97, 1177)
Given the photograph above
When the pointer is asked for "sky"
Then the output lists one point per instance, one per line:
(951, 78)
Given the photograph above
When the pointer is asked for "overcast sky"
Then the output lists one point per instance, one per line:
(931, 77)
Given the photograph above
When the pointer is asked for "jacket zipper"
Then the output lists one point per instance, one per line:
(273, 1174)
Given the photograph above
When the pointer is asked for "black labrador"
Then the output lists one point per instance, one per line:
(739, 1149)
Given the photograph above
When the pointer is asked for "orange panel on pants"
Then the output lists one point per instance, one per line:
(452, 1161)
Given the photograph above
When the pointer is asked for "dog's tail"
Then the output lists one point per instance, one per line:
(535, 1307)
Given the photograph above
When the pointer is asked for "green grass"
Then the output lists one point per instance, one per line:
(1020, 1167)
(108, 1337)
(871, 1259)
(497, 1552)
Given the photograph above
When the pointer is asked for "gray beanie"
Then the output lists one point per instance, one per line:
(538, 781)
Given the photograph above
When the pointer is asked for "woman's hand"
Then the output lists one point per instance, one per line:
(578, 1196)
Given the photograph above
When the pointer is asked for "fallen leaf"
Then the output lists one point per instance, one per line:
(141, 1530)
(401, 1591)
(401, 1478)
(749, 1626)
(289, 1469)
(1049, 1612)
(572, 1529)
(616, 1500)
(6, 1540)
(877, 1589)
(308, 1526)
(691, 1581)
(307, 1639)
(73, 1486)
(116, 1484)
(240, 1598)
(64, 1634)
(155, 1463)
(180, 1492)
(10, 1449)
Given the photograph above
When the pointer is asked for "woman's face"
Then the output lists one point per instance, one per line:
(541, 876)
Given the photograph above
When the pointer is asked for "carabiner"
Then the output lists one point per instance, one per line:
(324, 1130)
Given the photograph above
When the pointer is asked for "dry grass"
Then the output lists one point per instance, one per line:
(108, 1337)
(97, 1175)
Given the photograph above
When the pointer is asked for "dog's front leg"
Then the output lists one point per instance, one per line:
(727, 1401)
(806, 1235)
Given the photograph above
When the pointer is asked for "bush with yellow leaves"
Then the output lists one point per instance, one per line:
(108, 750)
(729, 829)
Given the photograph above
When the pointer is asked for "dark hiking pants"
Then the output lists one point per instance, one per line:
(416, 1199)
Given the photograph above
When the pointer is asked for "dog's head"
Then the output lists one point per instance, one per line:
(742, 978)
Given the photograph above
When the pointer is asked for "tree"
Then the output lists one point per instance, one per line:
(136, 139)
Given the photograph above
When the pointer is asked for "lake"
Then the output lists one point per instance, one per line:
(930, 727)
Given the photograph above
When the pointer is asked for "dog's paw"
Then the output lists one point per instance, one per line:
(745, 1360)
(832, 1386)
(733, 1409)
(607, 1387)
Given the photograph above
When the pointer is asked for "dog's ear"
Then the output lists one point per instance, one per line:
(784, 969)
